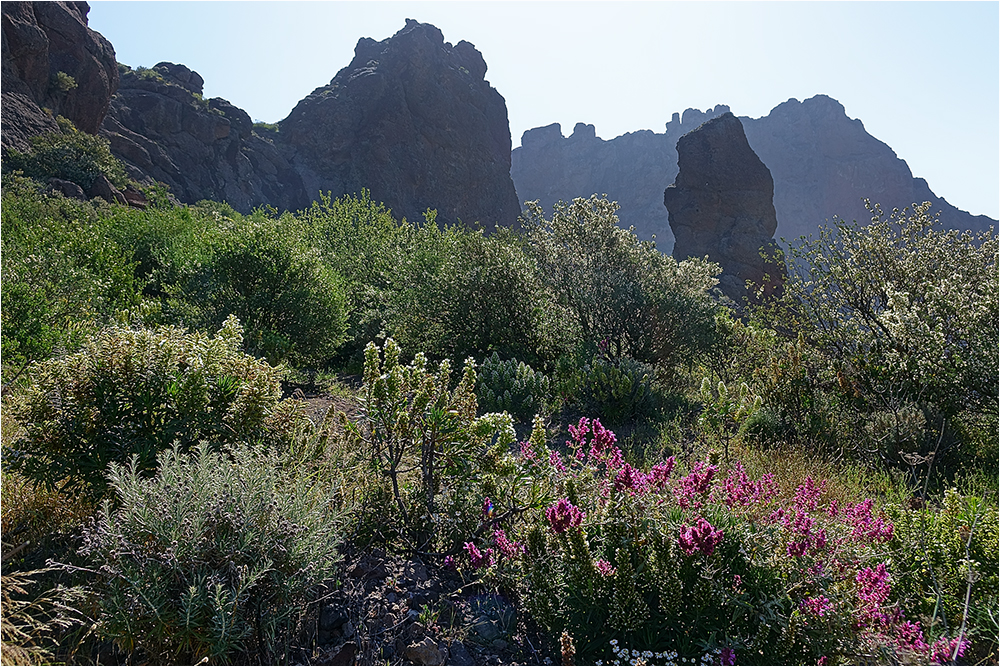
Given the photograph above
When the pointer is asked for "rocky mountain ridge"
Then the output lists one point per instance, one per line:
(823, 163)
(413, 119)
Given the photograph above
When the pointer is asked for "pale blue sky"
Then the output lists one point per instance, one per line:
(924, 77)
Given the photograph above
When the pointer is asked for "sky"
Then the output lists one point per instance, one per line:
(923, 77)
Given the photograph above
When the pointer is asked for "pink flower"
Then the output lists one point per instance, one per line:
(660, 473)
(693, 488)
(910, 637)
(631, 479)
(817, 606)
(727, 656)
(943, 650)
(556, 461)
(873, 591)
(449, 563)
(506, 547)
(604, 567)
(701, 537)
(476, 558)
(487, 509)
(563, 516)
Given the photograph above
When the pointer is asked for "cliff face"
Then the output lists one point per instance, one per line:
(44, 44)
(412, 119)
(162, 129)
(823, 164)
(720, 205)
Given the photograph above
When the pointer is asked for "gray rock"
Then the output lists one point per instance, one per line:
(459, 655)
(43, 42)
(413, 120)
(67, 188)
(426, 652)
(721, 206)
(102, 187)
(485, 629)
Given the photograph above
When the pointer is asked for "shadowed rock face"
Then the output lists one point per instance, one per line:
(41, 40)
(412, 119)
(824, 164)
(721, 206)
(203, 149)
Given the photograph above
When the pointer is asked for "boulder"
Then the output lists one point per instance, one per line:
(720, 206)
(426, 652)
(102, 187)
(67, 188)
(413, 120)
(53, 64)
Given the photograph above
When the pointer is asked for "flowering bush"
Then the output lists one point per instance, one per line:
(712, 562)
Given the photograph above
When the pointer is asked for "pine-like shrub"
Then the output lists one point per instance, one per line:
(213, 558)
(620, 391)
(512, 386)
(137, 391)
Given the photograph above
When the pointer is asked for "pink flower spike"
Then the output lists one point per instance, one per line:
(564, 515)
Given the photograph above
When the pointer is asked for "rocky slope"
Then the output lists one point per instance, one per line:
(412, 119)
(823, 163)
(162, 128)
(53, 64)
(721, 205)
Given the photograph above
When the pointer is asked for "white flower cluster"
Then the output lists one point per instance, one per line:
(635, 657)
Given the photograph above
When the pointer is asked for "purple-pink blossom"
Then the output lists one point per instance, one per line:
(727, 656)
(910, 637)
(816, 606)
(692, 489)
(605, 568)
(659, 475)
(564, 515)
(478, 559)
(506, 547)
(702, 537)
(873, 591)
(630, 479)
(944, 650)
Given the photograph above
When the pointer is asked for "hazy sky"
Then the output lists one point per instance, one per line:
(924, 77)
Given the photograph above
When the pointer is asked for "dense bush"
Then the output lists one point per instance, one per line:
(907, 317)
(676, 563)
(70, 155)
(514, 387)
(136, 392)
(456, 293)
(213, 558)
(435, 458)
(620, 290)
(62, 276)
(263, 270)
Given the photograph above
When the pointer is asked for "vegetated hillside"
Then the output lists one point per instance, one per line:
(556, 444)
(824, 164)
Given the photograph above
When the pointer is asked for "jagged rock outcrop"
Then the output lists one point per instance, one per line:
(720, 206)
(163, 130)
(52, 61)
(413, 120)
(823, 163)
(548, 167)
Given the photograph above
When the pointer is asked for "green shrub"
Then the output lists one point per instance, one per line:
(62, 275)
(70, 155)
(137, 391)
(619, 290)
(619, 391)
(62, 82)
(512, 386)
(213, 558)
(263, 270)
(906, 317)
(436, 459)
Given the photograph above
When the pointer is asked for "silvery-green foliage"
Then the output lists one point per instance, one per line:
(424, 439)
(621, 290)
(617, 391)
(512, 386)
(906, 312)
(212, 558)
(138, 391)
